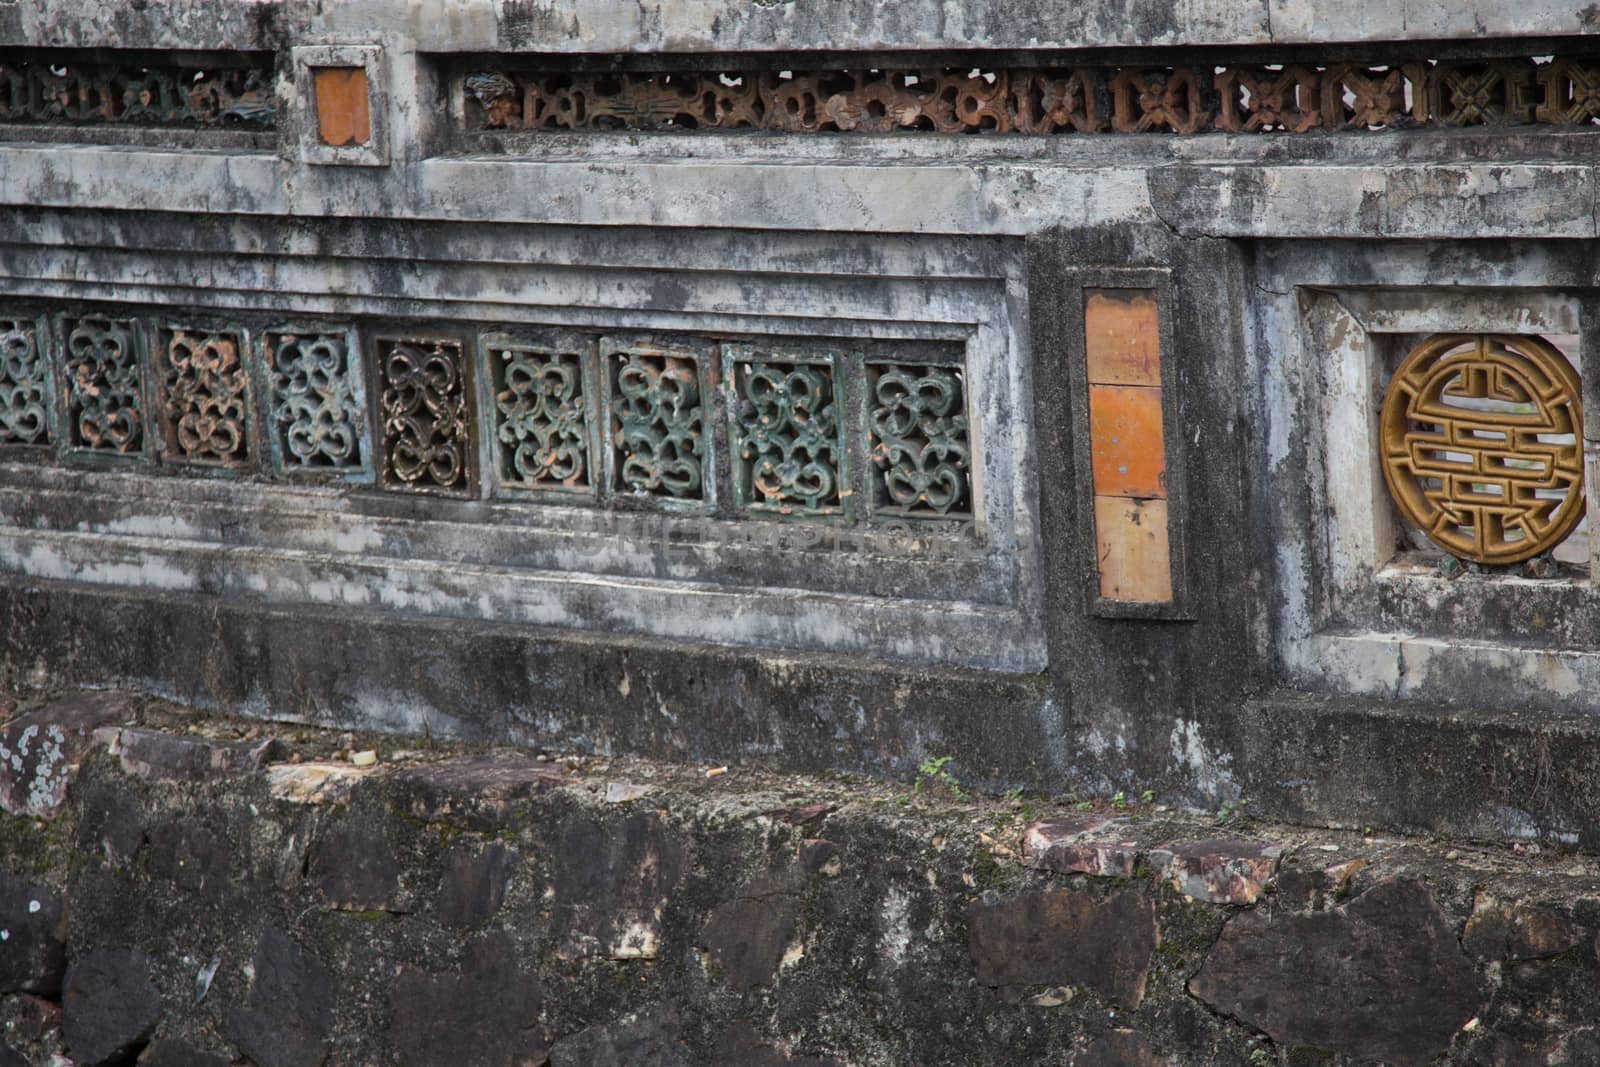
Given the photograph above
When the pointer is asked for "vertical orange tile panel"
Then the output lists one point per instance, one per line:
(1129, 456)
(1133, 550)
(1122, 337)
(342, 115)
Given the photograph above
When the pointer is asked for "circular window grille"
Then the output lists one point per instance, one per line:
(1483, 445)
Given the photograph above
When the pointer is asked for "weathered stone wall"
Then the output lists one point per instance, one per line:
(430, 224)
(182, 889)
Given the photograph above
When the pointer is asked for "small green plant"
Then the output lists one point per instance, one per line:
(1083, 805)
(1119, 801)
(1148, 796)
(1014, 795)
(1230, 809)
(933, 770)
(1260, 1057)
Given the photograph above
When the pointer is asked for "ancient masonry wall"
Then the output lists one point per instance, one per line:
(181, 890)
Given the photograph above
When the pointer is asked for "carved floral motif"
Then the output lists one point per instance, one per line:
(24, 385)
(919, 439)
(424, 414)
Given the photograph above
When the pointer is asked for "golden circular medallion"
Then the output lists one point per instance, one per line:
(1482, 438)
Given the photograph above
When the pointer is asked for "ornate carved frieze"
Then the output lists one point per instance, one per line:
(1483, 445)
(316, 406)
(102, 386)
(45, 87)
(426, 442)
(203, 397)
(542, 428)
(24, 384)
(788, 446)
(1259, 97)
(918, 439)
(657, 415)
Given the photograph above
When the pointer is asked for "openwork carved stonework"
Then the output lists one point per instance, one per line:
(541, 418)
(24, 384)
(60, 89)
(919, 439)
(658, 422)
(316, 403)
(1482, 445)
(103, 387)
(425, 420)
(203, 397)
(1260, 97)
(788, 450)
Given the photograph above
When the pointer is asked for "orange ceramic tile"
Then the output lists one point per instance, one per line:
(1122, 336)
(342, 117)
(1125, 439)
(1131, 538)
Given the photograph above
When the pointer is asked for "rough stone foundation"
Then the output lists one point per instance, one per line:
(180, 890)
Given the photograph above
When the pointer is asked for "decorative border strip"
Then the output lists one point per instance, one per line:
(1254, 98)
(785, 430)
(39, 87)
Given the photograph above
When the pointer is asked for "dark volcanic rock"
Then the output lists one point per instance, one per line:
(41, 749)
(289, 1011)
(192, 858)
(109, 1005)
(645, 1039)
(1119, 1048)
(1510, 932)
(1071, 845)
(743, 1046)
(356, 869)
(480, 794)
(33, 930)
(162, 757)
(112, 823)
(1062, 937)
(488, 1016)
(475, 883)
(1225, 871)
(611, 885)
(747, 936)
(1381, 978)
(168, 1053)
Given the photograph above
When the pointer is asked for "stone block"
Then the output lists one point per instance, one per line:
(355, 868)
(193, 858)
(611, 886)
(1060, 937)
(1509, 932)
(315, 783)
(168, 1052)
(488, 1015)
(1380, 978)
(1119, 1048)
(743, 1045)
(288, 1012)
(1068, 845)
(109, 1005)
(156, 756)
(1133, 549)
(40, 749)
(645, 1039)
(482, 794)
(747, 937)
(1221, 871)
(33, 931)
(476, 878)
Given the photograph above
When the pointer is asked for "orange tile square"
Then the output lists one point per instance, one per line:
(1122, 337)
(1133, 549)
(342, 110)
(1129, 455)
